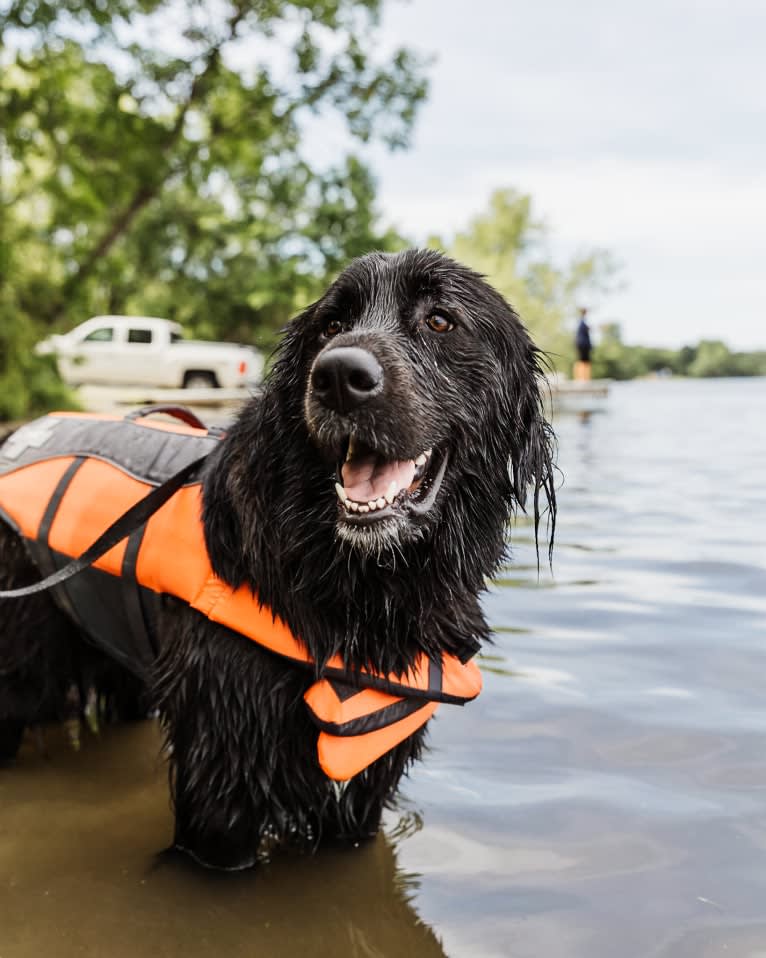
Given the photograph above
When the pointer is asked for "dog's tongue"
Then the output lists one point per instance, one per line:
(368, 477)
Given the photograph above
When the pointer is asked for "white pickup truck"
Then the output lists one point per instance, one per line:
(146, 351)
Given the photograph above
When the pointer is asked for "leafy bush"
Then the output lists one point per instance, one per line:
(29, 384)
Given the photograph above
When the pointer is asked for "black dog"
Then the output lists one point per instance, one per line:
(365, 495)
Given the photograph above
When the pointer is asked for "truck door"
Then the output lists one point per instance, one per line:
(90, 359)
(141, 356)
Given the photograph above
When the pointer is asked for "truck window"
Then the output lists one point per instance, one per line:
(139, 335)
(175, 337)
(105, 334)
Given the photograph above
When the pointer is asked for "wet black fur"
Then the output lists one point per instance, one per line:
(44, 659)
(244, 771)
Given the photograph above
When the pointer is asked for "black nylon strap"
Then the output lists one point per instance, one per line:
(117, 531)
(434, 677)
(367, 680)
(55, 501)
(370, 722)
(131, 597)
(41, 552)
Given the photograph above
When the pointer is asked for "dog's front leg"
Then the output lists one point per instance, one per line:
(242, 748)
(36, 649)
(356, 814)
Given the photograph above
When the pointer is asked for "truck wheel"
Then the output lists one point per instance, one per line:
(199, 380)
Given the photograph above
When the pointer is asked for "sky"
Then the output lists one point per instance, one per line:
(636, 127)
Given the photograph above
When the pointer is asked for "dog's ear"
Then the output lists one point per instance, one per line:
(291, 358)
(253, 468)
(533, 444)
(222, 525)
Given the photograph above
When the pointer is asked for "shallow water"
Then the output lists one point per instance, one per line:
(605, 796)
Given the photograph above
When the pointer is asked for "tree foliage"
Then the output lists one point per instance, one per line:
(509, 244)
(153, 158)
(614, 359)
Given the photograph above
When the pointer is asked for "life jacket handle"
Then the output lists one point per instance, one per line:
(178, 412)
(120, 529)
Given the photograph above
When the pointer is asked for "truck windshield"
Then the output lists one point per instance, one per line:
(105, 334)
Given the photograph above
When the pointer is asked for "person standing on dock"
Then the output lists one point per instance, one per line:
(583, 346)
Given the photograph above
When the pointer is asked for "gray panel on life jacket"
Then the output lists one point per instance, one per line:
(152, 455)
(102, 610)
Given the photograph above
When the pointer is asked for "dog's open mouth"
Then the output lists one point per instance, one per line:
(370, 487)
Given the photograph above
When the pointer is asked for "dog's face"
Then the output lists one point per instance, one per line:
(419, 384)
(368, 489)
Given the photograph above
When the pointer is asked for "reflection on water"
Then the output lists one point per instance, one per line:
(80, 873)
(605, 796)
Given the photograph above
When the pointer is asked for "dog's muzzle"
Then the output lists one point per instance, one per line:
(357, 411)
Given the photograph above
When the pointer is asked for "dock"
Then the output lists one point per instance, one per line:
(579, 396)
(211, 403)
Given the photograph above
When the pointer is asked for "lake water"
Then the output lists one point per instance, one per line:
(605, 796)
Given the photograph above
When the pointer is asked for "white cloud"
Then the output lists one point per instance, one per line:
(635, 128)
(610, 202)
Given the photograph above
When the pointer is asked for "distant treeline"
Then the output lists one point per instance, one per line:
(614, 359)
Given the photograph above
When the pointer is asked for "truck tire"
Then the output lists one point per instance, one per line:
(199, 379)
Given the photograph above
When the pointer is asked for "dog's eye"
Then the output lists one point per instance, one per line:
(333, 327)
(439, 324)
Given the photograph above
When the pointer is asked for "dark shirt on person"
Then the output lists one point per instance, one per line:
(582, 341)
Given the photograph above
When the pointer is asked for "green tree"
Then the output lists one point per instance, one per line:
(508, 244)
(614, 359)
(152, 158)
(712, 358)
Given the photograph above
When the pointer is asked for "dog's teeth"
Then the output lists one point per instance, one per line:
(353, 506)
(392, 491)
(364, 508)
(341, 492)
(380, 503)
(422, 459)
(373, 503)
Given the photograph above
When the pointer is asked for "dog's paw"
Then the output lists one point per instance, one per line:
(218, 856)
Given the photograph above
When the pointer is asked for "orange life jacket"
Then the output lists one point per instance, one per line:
(67, 477)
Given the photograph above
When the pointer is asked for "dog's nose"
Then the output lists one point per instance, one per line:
(345, 377)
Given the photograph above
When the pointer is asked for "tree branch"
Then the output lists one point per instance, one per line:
(147, 191)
